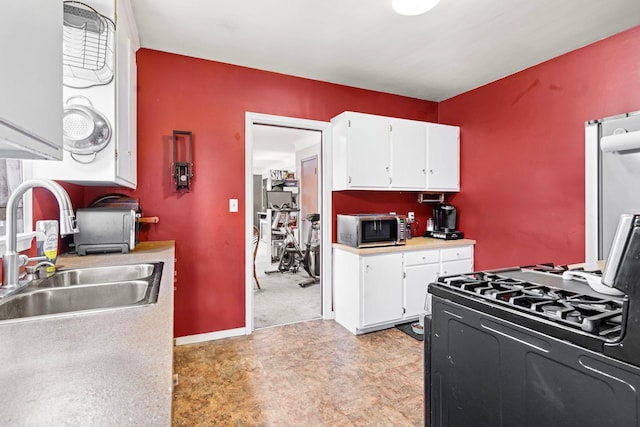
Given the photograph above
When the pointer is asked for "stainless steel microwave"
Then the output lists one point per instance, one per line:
(371, 230)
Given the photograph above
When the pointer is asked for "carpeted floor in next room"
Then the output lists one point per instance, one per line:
(281, 300)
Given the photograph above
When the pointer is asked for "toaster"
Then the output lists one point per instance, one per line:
(105, 230)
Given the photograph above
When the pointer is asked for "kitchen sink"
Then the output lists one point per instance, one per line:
(84, 289)
(87, 276)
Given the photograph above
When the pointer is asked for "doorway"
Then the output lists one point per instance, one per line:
(285, 159)
(287, 193)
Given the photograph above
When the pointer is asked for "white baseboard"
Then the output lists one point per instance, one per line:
(210, 336)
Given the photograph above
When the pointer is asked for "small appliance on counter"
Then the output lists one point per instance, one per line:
(105, 230)
(445, 219)
(371, 230)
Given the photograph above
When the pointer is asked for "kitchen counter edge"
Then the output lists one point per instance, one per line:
(112, 367)
(414, 244)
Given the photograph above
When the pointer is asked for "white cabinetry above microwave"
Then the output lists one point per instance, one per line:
(107, 92)
(384, 153)
(31, 83)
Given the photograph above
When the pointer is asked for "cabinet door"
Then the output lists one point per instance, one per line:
(126, 75)
(456, 267)
(408, 154)
(31, 83)
(368, 151)
(381, 288)
(456, 253)
(416, 280)
(443, 157)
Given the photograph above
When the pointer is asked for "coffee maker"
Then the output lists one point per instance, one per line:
(445, 221)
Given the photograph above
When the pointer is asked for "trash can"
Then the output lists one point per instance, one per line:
(276, 249)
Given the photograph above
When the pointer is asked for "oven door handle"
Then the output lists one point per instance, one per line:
(427, 370)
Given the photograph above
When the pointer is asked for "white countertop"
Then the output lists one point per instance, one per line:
(414, 244)
(109, 368)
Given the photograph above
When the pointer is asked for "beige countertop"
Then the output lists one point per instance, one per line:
(590, 266)
(108, 368)
(414, 244)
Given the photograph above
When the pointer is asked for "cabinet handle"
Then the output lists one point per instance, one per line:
(430, 170)
(424, 171)
(387, 168)
(349, 179)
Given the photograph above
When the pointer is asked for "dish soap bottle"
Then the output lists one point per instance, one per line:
(47, 241)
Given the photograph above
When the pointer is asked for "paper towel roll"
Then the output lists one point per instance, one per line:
(620, 142)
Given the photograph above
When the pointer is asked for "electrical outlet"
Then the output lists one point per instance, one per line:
(233, 205)
(411, 216)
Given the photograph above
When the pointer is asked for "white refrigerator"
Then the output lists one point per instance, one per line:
(612, 178)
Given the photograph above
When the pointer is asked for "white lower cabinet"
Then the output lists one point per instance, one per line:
(376, 291)
(456, 260)
(381, 289)
(456, 267)
(367, 289)
(420, 269)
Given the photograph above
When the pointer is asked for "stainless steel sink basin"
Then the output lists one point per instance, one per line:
(86, 276)
(85, 289)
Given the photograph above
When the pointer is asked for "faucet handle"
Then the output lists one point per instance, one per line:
(23, 259)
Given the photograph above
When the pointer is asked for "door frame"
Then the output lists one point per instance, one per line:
(326, 274)
(299, 162)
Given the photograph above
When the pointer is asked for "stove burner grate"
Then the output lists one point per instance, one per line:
(587, 313)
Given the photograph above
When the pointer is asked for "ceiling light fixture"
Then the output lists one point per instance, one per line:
(413, 7)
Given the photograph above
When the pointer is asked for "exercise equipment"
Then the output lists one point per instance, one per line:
(291, 255)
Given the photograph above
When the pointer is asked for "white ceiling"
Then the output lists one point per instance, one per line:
(457, 46)
(275, 147)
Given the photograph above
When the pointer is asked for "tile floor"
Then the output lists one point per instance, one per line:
(312, 373)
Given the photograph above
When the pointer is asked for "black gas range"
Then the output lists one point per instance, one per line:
(538, 297)
(525, 346)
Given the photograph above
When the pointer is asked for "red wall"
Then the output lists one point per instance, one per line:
(522, 160)
(351, 202)
(522, 151)
(210, 99)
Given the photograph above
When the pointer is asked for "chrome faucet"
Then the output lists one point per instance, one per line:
(11, 260)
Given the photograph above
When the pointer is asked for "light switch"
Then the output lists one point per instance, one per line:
(233, 205)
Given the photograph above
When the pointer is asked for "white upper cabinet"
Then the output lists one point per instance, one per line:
(408, 154)
(443, 158)
(108, 90)
(126, 95)
(383, 153)
(361, 151)
(31, 79)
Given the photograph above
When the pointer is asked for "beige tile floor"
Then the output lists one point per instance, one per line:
(313, 373)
